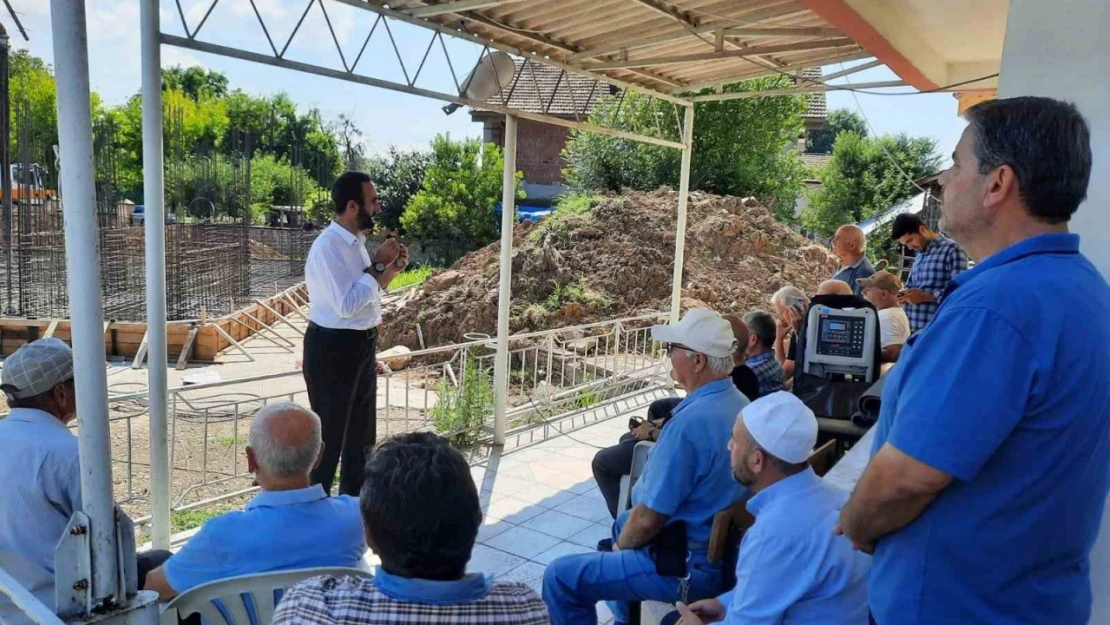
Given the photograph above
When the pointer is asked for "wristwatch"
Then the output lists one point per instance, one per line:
(378, 268)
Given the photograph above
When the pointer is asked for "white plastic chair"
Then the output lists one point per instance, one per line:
(246, 599)
(639, 460)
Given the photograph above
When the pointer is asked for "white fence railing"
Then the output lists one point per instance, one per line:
(554, 375)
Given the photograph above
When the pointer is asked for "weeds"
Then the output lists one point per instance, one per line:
(460, 413)
(413, 276)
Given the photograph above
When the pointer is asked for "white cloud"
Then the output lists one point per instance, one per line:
(172, 57)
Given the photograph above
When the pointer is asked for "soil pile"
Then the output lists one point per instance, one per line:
(615, 260)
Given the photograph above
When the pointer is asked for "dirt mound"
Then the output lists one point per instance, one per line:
(261, 250)
(616, 260)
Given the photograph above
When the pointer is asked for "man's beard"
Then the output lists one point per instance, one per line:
(365, 222)
(743, 476)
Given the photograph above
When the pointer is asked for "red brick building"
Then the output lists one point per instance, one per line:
(548, 90)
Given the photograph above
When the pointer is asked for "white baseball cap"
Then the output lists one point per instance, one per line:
(782, 425)
(703, 331)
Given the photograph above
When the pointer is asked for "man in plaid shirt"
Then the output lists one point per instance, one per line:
(760, 352)
(939, 259)
(421, 513)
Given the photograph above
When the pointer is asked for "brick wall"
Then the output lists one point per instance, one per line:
(537, 148)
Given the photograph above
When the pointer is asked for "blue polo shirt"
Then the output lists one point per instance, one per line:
(688, 476)
(860, 269)
(1008, 391)
(278, 530)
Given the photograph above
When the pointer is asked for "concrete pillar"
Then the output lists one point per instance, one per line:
(1060, 49)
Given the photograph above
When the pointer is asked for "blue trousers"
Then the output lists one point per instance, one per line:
(572, 585)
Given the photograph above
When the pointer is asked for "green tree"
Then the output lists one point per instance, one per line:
(861, 181)
(455, 209)
(740, 146)
(196, 82)
(821, 141)
(397, 177)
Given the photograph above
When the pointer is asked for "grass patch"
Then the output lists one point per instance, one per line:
(575, 203)
(460, 412)
(413, 276)
(230, 441)
(190, 519)
(578, 292)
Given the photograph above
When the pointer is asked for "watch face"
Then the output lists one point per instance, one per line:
(379, 267)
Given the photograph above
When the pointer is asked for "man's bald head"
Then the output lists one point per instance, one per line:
(285, 440)
(740, 331)
(849, 242)
(834, 287)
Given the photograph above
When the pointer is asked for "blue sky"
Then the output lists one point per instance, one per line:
(386, 117)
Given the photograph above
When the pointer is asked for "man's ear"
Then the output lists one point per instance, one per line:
(998, 185)
(252, 462)
(319, 456)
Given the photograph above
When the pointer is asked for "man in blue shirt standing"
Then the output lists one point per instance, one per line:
(850, 246)
(792, 568)
(687, 479)
(938, 260)
(289, 525)
(992, 456)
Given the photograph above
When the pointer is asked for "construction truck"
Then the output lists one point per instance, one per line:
(27, 185)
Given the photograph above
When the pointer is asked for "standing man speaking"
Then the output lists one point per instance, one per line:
(344, 290)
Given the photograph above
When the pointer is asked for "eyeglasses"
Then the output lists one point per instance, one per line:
(670, 347)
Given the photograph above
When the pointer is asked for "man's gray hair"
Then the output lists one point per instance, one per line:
(277, 458)
(716, 364)
(779, 298)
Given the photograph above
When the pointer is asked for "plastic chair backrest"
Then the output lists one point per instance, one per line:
(246, 599)
(639, 459)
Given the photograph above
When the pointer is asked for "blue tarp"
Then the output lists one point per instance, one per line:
(527, 213)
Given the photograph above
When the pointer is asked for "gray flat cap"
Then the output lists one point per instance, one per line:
(36, 368)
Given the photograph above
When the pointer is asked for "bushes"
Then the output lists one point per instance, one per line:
(455, 209)
(460, 413)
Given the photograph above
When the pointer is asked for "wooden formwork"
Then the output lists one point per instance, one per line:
(124, 338)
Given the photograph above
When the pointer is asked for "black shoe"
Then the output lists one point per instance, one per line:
(605, 544)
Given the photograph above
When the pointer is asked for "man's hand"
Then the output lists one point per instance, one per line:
(915, 296)
(643, 432)
(868, 549)
(388, 252)
(704, 611)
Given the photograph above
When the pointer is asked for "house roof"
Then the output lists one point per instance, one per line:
(816, 106)
(539, 88)
(815, 161)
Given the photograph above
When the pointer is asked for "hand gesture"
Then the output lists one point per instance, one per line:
(699, 612)
(643, 432)
(914, 296)
(388, 252)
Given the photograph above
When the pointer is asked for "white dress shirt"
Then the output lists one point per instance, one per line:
(42, 488)
(341, 294)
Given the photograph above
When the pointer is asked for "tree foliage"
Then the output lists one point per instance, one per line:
(821, 141)
(196, 82)
(740, 146)
(861, 181)
(455, 209)
(397, 178)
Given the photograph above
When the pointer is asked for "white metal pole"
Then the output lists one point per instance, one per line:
(504, 292)
(153, 198)
(683, 192)
(71, 60)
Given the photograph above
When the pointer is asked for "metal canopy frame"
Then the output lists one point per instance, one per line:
(668, 50)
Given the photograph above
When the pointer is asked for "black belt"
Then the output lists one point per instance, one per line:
(371, 333)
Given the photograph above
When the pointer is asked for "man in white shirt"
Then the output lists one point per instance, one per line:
(882, 289)
(40, 470)
(340, 369)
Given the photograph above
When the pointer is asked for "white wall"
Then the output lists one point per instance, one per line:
(1061, 49)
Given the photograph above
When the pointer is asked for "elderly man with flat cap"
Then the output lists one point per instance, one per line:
(659, 548)
(792, 567)
(40, 471)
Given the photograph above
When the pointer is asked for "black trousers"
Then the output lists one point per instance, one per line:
(611, 463)
(341, 373)
(147, 561)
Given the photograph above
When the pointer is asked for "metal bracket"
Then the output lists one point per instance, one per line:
(73, 569)
(128, 565)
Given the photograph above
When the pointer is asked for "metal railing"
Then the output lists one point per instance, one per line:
(554, 375)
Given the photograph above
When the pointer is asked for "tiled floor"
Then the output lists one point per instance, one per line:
(541, 502)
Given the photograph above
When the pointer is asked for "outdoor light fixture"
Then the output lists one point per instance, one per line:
(493, 73)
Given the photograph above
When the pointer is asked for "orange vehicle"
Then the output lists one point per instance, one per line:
(27, 185)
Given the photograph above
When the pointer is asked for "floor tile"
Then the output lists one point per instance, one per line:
(542, 495)
(523, 542)
(580, 452)
(560, 550)
(493, 527)
(513, 510)
(506, 485)
(587, 507)
(604, 614)
(492, 561)
(557, 524)
(572, 483)
(591, 535)
(530, 573)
